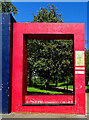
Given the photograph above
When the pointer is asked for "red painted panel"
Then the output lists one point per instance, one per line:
(24, 66)
(17, 74)
(49, 99)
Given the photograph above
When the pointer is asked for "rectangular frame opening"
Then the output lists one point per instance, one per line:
(30, 99)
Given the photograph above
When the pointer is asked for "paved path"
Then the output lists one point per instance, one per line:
(42, 115)
(64, 88)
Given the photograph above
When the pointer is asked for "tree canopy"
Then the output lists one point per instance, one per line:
(52, 59)
(48, 15)
(8, 7)
(87, 66)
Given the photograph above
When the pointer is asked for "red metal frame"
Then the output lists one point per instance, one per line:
(23, 31)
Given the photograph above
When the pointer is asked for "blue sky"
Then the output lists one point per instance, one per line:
(72, 12)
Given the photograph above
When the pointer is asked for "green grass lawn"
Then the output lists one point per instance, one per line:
(37, 90)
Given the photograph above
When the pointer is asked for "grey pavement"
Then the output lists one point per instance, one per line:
(87, 106)
(41, 115)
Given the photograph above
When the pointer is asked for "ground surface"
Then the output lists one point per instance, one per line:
(87, 111)
(42, 115)
(39, 89)
(52, 90)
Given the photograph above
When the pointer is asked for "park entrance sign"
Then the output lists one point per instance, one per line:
(21, 102)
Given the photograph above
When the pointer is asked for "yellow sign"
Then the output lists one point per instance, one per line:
(79, 58)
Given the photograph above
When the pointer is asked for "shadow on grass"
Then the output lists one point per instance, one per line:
(50, 88)
(38, 93)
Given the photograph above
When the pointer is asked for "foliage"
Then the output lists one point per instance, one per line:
(8, 7)
(50, 59)
(38, 91)
(86, 66)
(48, 15)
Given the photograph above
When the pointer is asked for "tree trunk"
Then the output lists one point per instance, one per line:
(53, 81)
(56, 82)
(46, 84)
(88, 82)
(62, 77)
(67, 85)
(30, 77)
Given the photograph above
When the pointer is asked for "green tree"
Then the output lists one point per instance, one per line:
(54, 60)
(48, 15)
(51, 59)
(8, 7)
(86, 66)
